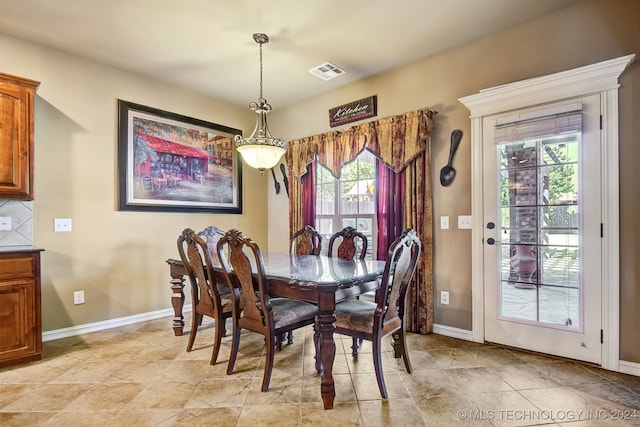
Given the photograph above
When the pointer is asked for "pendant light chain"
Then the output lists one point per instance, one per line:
(261, 70)
(260, 150)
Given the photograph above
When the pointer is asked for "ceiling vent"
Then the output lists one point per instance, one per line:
(327, 71)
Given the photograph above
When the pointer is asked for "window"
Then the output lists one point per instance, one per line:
(348, 201)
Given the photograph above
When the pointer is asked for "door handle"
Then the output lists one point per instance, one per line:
(491, 241)
(491, 225)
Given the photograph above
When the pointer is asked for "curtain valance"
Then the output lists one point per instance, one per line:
(395, 140)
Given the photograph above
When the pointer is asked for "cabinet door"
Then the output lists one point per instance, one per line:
(16, 137)
(19, 340)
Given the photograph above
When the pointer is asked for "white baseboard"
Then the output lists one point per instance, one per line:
(56, 334)
(625, 367)
(629, 368)
(452, 332)
(73, 331)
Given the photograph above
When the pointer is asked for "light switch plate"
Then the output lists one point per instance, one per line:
(444, 222)
(464, 222)
(62, 224)
(5, 223)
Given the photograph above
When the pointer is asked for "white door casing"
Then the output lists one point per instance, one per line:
(600, 78)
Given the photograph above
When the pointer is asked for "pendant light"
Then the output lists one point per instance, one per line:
(260, 150)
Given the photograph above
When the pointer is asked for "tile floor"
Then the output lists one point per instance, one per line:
(141, 375)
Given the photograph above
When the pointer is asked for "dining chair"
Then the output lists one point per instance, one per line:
(306, 242)
(351, 242)
(208, 297)
(347, 249)
(253, 308)
(212, 235)
(366, 320)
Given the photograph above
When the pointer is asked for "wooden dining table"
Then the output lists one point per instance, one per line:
(322, 280)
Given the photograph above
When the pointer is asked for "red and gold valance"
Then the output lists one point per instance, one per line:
(395, 140)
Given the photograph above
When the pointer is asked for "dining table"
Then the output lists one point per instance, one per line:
(322, 280)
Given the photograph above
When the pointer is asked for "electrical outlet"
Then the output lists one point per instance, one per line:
(5, 223)
(444, 222)
(464, 222)
(78, 297)
(62, 224)
(444, 297)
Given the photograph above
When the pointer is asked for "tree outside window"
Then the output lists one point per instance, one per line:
(348, 201)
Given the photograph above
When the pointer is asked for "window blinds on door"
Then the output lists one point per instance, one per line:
(539, 124)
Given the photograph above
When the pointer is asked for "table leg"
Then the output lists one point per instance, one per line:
(326, 320)
(177, 301)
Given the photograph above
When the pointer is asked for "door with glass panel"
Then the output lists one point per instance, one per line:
(542, 236)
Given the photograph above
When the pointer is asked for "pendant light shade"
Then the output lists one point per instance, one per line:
(260, 150)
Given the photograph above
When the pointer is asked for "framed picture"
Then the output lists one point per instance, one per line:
(173, 163)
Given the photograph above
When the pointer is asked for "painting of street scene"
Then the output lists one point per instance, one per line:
(179, 166)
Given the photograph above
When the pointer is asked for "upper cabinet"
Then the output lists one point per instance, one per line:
(17, 96)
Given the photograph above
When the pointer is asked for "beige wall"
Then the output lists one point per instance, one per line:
(589, 32)
(117, 258)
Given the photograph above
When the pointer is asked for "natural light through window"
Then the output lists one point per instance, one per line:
(348, 201)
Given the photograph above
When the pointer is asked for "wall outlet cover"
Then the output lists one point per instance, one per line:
(5, 223)
(444, 297)
(78, 297)
(62, 224)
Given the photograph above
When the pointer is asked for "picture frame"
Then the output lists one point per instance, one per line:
(168, 162)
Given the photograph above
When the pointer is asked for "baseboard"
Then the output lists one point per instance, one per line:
(73, 331)
(625, 367)
(452, 332)
(630, 368)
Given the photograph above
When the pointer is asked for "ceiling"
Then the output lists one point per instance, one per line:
(207, 45)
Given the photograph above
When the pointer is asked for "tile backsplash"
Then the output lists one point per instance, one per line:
(21, 214)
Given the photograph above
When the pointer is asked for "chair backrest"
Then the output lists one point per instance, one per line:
(212, 235)
(348, 247)
(197, 261)
(306, 242)
(402, 259)
(236, 263)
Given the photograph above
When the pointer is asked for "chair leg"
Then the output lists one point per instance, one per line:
(377, 364)
(217, 339)
(279, 340)
(268, 365)
(196, 320)
(235, 343)
(401, 349)
(354, 347)
(285, 338)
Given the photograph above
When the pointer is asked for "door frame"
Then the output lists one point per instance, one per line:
(600, 78)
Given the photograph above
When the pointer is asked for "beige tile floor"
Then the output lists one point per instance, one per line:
(141, 375)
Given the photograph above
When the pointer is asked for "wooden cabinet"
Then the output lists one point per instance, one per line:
(20, 312)
(17, 96)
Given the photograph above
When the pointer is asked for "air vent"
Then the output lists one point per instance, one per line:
(327, 71)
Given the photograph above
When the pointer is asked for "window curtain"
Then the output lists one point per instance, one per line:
(418, 214)
(308, 196)
(401, 145)
(389, 206)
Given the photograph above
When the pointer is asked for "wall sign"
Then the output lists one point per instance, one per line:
(354, 111)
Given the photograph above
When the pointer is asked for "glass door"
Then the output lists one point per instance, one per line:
(542, 236)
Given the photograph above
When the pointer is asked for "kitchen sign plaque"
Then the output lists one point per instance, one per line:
(354, 111)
